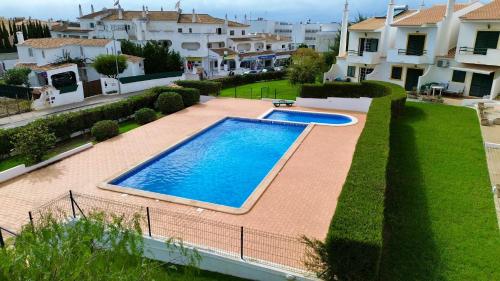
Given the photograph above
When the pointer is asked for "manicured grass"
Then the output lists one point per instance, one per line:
(205, 276)
(440, 217)
(128, 125)
(282, 88)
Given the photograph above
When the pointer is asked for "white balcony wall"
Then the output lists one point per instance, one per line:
(467, 39)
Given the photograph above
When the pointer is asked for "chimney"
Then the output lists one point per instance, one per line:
(120, 12)
(193, 19)
(143, 11)
(226, 22)
(147, 10)
(92, 8)
(80, 10)
(422, 6)
(390, 13)
(20, 37)
(161, 8)
(387, 28)
(450, 8)
(343, 31)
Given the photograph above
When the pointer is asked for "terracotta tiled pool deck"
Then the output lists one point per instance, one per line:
(300, 201)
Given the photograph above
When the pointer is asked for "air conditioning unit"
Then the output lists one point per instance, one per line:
(443, 63)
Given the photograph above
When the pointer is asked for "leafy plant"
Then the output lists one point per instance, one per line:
(99, 247)
(104, 130)
(145, 115)
(158, 57)
(306, 65)
(168, 103)
(33, 142)
(17, 76)
(108, 64)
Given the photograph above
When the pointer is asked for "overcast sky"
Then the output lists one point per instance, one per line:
(289, 10)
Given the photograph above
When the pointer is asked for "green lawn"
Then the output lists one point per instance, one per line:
(440, 217)
(282, 88)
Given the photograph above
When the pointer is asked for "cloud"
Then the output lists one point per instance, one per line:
(291, 10)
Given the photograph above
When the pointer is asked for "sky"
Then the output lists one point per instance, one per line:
(283, 10)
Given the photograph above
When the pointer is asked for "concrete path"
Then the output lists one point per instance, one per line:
(25, 118)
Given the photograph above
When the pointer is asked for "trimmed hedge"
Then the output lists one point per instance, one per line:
(105, 129)
(145, 115)
(355, 237)
(340, 90)
(65, 124)
(237, 80)
(206, 88)
(169, 103)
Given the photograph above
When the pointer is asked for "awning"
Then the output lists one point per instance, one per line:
(476, 68)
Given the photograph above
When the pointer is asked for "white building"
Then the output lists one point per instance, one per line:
(62, 67)
(199, 38)
(413, 48)
(318, 36)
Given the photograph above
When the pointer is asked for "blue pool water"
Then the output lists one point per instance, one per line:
(308, 117)
(221, 165)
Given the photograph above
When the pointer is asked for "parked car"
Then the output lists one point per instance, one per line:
(251, 72)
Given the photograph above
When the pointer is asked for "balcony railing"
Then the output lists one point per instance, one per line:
(411, 52)
(355, 53)
(474, 51)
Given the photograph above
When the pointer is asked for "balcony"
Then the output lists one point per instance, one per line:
(364, 57)
(409, 56)
(478, 56)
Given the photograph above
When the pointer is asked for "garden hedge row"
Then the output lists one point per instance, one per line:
(340, 90)
(355, 237)
(63, 125)
(237, 80)
(205, 87)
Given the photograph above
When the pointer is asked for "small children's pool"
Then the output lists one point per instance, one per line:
(307, 117)
(222, 165)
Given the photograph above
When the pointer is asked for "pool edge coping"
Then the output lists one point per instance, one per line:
(251, 200)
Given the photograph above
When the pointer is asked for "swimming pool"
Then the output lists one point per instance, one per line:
(306, 117)
(221, 165)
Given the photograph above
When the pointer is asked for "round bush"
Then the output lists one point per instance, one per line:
(104, 130)
(145, 115)
(169, 103)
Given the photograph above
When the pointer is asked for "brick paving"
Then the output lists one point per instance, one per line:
(300, 201)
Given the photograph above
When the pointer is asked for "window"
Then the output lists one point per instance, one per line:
(231, 32)
(92, 25)
(43, 54)
(30, 52)
(351, 71)
(397, 72)
(371, 45)
(458, 76)
(283, 46)
(219, 30)
(179, 30)
(209, 45)
(243, 32)
(81, 51)
(190, 30)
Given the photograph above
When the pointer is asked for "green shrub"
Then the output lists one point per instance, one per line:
(104, 130)
(33, 142)
(341, 90)
(237, 80)
(353, 246)
(206, 87)
(6, 145)
(168, 103)
(189, 96)
(145, 115)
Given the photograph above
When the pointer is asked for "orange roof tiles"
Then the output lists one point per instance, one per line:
(50, 43)
(490, 11)
(375, 23)
(430, 15)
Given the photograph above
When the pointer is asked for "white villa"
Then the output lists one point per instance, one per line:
(453, 44)
(205, 42)
(318, 36)
(62, 70)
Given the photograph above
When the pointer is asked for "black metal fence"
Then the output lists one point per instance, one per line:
(218, 237)
(263, 93)
(14, 100)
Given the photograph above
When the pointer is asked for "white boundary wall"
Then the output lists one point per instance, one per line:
(157, 249)
(22, 169)
(110, 85)
(349, 104)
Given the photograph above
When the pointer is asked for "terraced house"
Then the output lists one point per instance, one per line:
(206, 42)
(452, 44)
